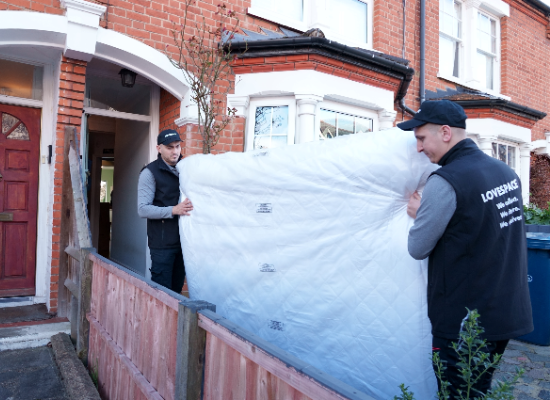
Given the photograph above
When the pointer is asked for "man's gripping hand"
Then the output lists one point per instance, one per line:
(182, 208)
(413, 205)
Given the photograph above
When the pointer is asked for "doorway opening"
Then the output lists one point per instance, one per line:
(116, 132)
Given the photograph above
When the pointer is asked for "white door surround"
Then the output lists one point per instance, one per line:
(67, 32)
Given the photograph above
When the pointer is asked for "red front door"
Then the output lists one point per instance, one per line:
(19, 158)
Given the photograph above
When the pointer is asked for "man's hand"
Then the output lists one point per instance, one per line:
(182, 208)
(413, 205)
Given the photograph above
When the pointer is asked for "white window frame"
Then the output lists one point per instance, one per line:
(459, 40)
(289, 101)
(494, 9)
(516, 156)
(316, 15)
(494, 56)
(344, 109)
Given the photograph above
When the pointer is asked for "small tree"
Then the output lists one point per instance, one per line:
(473, 364)
(204, 56)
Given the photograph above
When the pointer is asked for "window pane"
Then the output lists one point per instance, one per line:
(495, 151)
(502, 152)
(109, 94)
(20, 80)
(448, 56)
(327, 124)
(512, 157)
(270, 121)
(450, 18)
(262, 142)
(279, 120)
(484, 70)
(345, 124)
(363, 125)
(292, 9)
(349, 19)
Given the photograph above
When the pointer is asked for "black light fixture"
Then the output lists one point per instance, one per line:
(128, 77)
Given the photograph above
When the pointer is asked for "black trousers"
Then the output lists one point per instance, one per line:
(449, 357)
(167, 268)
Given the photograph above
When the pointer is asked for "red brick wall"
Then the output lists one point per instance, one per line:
(539, 180)
(318, 63)
(71, 102)
(526, 62)
(500, 115)
(45, 6)
(231, 140)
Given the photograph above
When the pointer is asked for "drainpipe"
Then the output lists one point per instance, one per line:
(408, 77)
(422, 82)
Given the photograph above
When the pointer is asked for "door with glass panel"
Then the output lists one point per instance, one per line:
(19, 159)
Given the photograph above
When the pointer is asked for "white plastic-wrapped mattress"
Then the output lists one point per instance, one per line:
(306, 246)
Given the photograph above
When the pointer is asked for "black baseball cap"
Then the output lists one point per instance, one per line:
(440, 112)
(168, 136)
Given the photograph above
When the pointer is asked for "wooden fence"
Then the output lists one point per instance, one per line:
(147, 342)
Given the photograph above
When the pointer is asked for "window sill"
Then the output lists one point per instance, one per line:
(458, 81)
(277, 18)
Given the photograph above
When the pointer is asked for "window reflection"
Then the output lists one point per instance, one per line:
(20, 80)
(270, 127)
(334, 124)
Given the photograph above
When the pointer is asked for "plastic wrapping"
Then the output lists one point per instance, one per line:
(306, 246)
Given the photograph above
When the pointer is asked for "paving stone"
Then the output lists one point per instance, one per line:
(544, 395)
(537, 374)
(30, 374)
(27, 358)
(49, 384)
(524, 396)
(544, 384)
(538, 358)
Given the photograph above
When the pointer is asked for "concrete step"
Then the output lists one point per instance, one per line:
(25, 335)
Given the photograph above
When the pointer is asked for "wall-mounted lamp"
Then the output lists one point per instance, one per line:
(128, 77)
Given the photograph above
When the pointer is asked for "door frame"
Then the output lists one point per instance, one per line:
(50, 60)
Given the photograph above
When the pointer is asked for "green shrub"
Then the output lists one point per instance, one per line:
(473, 364)
(536, 216)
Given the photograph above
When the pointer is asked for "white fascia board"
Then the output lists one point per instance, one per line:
(32, 28)
(496, 7)
(490, 127)
(314, 83)
(142, 59)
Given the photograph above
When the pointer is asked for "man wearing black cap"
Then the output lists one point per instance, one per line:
(469, 221)
(158, 197)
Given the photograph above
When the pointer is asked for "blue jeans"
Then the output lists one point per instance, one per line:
(167, 268)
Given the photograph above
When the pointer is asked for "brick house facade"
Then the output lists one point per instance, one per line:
(339, 72)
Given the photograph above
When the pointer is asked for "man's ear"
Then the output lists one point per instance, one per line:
(446, 133)
(158, 148)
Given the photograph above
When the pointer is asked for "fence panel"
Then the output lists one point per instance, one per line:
(240, 365)
(133, 335)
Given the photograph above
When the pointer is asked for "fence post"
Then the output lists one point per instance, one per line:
(191, 345)
(86, 267)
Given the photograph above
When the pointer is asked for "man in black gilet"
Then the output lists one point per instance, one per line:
(469, 221)
(158, 197)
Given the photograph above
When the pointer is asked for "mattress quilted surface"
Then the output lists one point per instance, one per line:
(306, 247)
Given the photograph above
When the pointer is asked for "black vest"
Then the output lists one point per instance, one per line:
(164, 233)
(480, 262)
